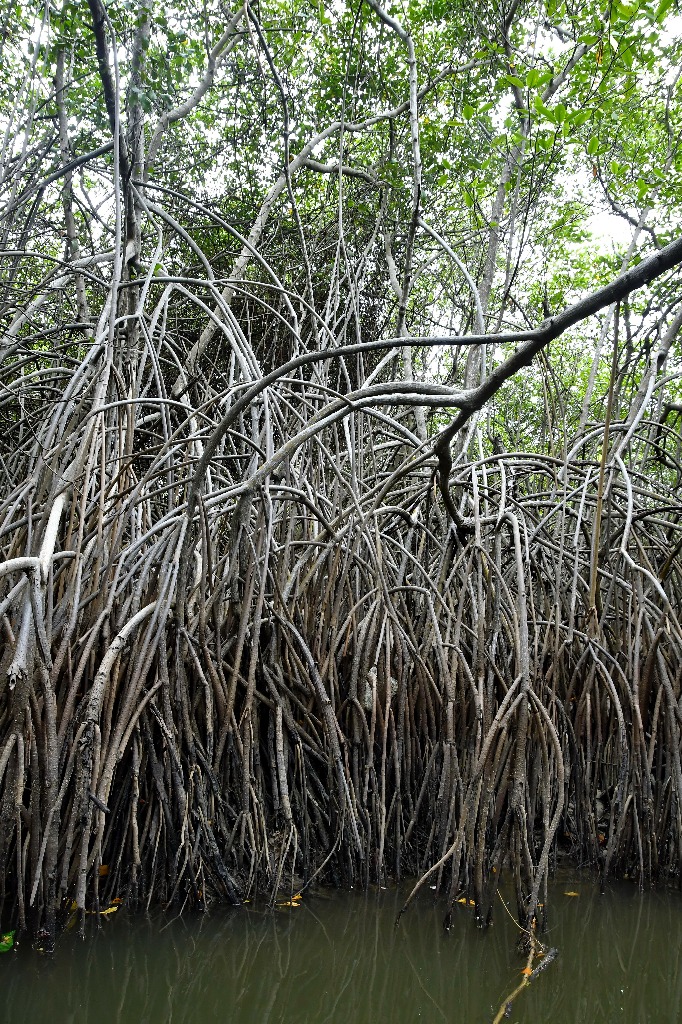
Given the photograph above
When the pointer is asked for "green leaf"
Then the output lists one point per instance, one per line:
(662, 10)
(468, 112)
(542, 109)
(6, 941)
(515, 80)
(642, 188)
(532, 78)
(593, 145)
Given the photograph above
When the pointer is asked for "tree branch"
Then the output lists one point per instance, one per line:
(533, 342)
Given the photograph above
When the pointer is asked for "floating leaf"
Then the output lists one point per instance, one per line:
(295, 901)
(571, 894)
(103, 870)
(109, 910)
(6, 941)
(526, 972)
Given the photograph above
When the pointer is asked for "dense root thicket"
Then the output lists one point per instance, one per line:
(244, 646)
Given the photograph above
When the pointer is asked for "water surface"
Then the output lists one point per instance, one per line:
(339, 959)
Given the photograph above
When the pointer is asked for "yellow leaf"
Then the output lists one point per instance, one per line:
(117, 899)
(289, 903)
(526, 972)
(463, 900)
(109, 910)
(103, 870)
(571, 894)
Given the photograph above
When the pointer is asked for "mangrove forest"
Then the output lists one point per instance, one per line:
(340, 451)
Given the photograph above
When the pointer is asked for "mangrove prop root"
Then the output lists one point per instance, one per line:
(242, 647)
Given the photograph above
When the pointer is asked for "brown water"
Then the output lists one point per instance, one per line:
(338, 959)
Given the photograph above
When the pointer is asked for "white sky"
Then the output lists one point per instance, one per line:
(608, 231)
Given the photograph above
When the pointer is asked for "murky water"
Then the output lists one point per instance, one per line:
(338, 959)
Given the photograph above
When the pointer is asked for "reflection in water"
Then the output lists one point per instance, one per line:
(339, 958)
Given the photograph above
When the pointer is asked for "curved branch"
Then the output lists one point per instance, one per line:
(533, 342)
